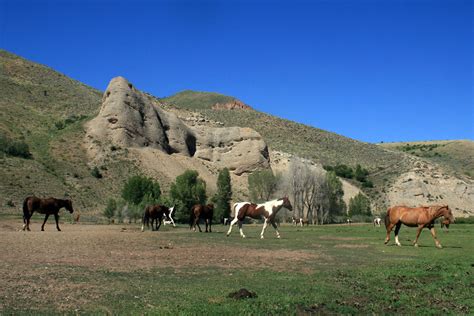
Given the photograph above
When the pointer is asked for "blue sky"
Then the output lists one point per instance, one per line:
(378, 70)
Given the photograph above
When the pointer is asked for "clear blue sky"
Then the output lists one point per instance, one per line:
(380, 70)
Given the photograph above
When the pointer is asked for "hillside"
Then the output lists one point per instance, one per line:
(454, 154)
(49, 112)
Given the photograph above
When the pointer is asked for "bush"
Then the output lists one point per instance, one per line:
(96, 173)
(110, 209)
(14, 148)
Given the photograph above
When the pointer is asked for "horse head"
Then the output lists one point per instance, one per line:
(68, 205)
(447, 213)
(287, 204)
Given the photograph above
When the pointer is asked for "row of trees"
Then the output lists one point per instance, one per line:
(316, 195)
(187, 190)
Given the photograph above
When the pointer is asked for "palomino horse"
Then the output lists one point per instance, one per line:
(156, 213)
(420, 217)
(49, 206)
(267, 210)
(377, 221)
(199, 211)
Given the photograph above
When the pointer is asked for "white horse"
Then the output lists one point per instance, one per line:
(377, 221)
(267, 210)
(297, 222)
(170, 221)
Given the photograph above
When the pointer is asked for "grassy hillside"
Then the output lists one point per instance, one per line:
(46, 110)
(455, 154)
(195, 100)
(280, 134)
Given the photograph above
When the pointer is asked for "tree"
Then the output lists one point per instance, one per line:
(223, 195)
(109, 210)
(359, 205)
(137, 188)
(307, 187)
(262, 184)
(360, 174)
(337, 206)
(187, 190)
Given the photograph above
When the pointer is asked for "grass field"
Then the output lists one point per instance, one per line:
(312, 270)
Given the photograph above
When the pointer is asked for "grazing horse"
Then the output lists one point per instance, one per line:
(267, 210)
(297, 221)
(49, 206)
(377, 221)
(421, 217)
(156, 213)
(199, 211)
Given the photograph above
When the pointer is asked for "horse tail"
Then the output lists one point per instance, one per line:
(25, 210)
(387, 217)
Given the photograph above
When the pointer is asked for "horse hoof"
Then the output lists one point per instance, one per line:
(439, 246)
(416, 245)
(261, 237)
(278, 236)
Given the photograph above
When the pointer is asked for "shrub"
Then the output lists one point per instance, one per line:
(14, 148)
(96, 173)
(110, 209)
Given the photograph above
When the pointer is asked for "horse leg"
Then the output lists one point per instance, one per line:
(276, 229)
(241, 231)
(265, 223)
(389, 230)
(433, 233)
(45, 219)
(230, 226)
(197, 223)
(397, 229)
(207, 223)
(159, 223)
(418, 232)
(56, 217)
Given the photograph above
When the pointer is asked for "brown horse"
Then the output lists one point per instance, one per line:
(445, 224)
(421, 217)
(199, 211)
(156, 213)
(267, 210)
(49, 206)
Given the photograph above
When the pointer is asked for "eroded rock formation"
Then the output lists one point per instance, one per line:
(130, 118)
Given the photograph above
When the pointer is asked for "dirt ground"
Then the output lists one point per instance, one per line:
(126, 248)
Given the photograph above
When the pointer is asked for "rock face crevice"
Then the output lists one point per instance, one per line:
(130, 118)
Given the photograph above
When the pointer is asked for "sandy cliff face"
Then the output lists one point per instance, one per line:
(428, 184)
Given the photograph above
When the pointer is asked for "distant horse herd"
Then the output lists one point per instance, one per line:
(420, 217)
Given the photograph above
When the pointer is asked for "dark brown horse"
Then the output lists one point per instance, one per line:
(421, 217)
(198, 212)
(49, 206)
(156, 213)
(267, 210)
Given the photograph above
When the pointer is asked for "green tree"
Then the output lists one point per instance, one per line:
(187, 190)
(110, 209)
(137, 188)
(262, 184)
(359, 205)
(337, 206)
(223, 195)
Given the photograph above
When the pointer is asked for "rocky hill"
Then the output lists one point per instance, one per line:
(72, 128)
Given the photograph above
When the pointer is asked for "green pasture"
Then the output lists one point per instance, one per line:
(352, 272)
